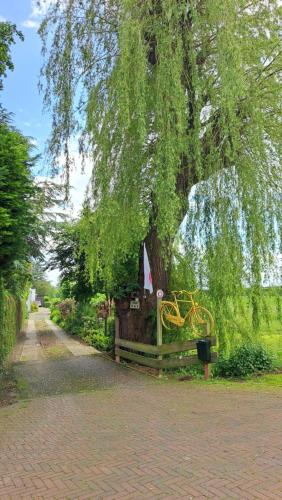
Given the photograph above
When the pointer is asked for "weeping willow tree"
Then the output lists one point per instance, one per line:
(178, 105)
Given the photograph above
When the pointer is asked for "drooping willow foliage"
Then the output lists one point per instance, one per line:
(170, 96)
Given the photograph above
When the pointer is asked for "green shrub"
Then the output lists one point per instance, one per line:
(245, 360)
(54, 302)
(81, 319)
(66, 307)
(98, 299)
(56, 316)
(11, 319)
(46, 301)
(99, 340)
(62, 312)
(92, 330)
(33, 307)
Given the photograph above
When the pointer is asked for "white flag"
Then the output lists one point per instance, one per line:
(148, 282)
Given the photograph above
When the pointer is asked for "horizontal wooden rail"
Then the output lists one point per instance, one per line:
(186, 360)
(138, 346)
(161, 363)
(138, 358)
(186, 345)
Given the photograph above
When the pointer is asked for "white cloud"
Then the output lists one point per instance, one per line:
(78, 184)
(53, 276)
(30, 23)
(38, 10)
(27, 124)
(2, 19)
(33, 142)
(78, 180)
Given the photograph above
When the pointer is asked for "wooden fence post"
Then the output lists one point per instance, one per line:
(206, 365)
(159, 330)
(117, 357)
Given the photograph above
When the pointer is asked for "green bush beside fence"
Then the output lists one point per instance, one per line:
(245, 360)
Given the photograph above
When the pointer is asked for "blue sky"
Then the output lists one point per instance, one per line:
(21, 95)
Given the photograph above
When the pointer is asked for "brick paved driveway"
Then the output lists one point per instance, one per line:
(144, 440)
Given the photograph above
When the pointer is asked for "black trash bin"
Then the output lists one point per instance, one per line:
(204, 350)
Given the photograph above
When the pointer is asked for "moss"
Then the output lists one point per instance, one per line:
(57, 352)
(48, 340)
(22, 387)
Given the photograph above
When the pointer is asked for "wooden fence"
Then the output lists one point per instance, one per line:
(144, 353)
(153, 355)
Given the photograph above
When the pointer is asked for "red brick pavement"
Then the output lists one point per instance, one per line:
(157, 441)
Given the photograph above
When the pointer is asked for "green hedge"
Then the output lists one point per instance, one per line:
(11, 320)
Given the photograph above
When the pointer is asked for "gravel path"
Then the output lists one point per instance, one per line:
(32, 350)
(82, 369)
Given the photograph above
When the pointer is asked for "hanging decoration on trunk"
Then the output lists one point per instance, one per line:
(148, 281)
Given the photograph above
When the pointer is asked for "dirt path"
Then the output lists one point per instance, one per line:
(128, 436)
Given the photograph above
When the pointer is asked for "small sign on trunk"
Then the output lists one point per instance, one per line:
(135, 304)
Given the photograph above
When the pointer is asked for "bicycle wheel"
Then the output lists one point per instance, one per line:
(199, 317)
(169, 314)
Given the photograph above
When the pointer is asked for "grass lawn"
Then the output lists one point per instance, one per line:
(271, 381)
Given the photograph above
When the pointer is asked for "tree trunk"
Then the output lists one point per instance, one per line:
(139, 324)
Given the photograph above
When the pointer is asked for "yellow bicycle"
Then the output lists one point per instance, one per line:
(196, 315)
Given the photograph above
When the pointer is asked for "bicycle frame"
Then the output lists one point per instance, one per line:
(195, 314)
(190, 301)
